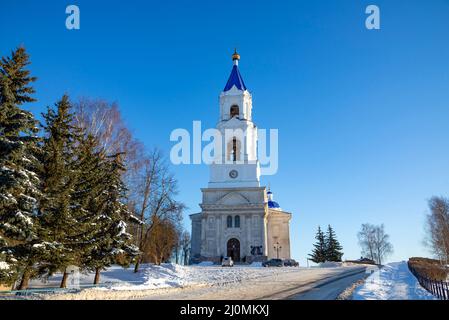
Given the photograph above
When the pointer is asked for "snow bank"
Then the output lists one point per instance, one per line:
(393, 282)
(167, 276)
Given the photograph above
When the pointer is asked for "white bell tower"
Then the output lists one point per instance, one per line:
(237, 165)
(238, 217)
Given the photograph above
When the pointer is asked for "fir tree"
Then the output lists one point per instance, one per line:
(319, 252)
(112, 239)
(333, 247)
(87, 195)
(60, 227)
(19, 183)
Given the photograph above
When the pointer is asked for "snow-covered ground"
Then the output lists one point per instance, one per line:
(393, 282)
(205, 281)
(170, 281)
(166, 276)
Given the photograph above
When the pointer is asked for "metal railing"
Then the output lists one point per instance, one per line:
(438, 288)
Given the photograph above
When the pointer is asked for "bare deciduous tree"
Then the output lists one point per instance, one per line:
(161, 241)
(156, 189)
(375, 242)
(103, 120)
(151, 187)
(185, 246)
(366, 240)
(382, 244)
(437, 227)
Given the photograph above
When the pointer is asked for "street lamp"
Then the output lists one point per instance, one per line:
(277, 247)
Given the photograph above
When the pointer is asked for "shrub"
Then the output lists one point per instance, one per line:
(429, 268)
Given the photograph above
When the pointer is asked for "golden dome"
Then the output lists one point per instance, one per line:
(235, 56)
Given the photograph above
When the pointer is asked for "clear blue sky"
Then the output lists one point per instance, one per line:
(362, 115)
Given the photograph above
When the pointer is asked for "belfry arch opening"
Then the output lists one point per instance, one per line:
(235, 111)
(234, 149)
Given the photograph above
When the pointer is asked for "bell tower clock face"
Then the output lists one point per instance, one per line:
(233, 174)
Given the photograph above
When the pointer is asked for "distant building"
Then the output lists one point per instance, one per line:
(239, 218)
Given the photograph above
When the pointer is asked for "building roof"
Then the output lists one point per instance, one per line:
(271, 203)
(235, 79)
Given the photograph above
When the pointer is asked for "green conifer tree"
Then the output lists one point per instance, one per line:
(19, 183)
(319, 252)
(112, 238)
(333, 247)
(60, 226)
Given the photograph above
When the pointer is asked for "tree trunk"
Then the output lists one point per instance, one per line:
(97, 276)
(136, 266)
(25, 280)
(64, 280)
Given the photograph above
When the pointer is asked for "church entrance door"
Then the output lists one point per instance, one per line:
(234, 249)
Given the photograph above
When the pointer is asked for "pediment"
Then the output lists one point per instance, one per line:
(233, 199)
(236, 121)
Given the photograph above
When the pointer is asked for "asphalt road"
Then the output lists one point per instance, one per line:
(329, 289)
(325, 287)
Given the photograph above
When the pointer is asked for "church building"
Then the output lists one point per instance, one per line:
(239, 218)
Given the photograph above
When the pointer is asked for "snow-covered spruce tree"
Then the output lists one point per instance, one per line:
(319, 252)
(60, 224)
(8, 269)
(333, 247)
(111, 239)
(19, 183)
(88, 197)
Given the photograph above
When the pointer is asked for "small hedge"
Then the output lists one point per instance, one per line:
(429, 268)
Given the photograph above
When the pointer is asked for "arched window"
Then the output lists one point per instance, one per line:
(229, 222)
(234, 111)
(237, 222)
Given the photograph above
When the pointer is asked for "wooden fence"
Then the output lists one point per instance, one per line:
(438, 288)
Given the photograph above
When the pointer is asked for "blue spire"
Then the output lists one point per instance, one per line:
(235, 79)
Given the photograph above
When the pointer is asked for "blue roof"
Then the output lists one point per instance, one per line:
(235, 79)
(273, 204)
